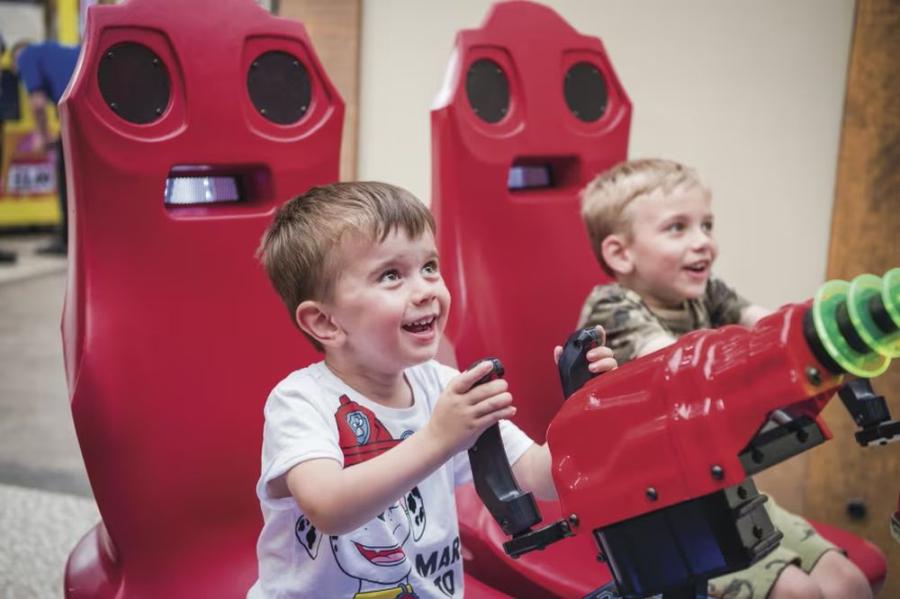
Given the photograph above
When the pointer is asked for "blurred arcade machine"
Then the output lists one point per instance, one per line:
(28, 187)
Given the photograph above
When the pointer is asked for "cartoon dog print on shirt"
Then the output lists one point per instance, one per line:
(372, 554)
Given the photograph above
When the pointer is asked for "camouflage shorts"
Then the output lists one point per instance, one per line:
(801, 546)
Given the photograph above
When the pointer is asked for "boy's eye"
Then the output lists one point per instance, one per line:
(676, 227)
(389, 275)
(431, 267)
(708, 226)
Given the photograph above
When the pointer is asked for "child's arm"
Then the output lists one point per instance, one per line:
(752, 313)
(532, 470)
(338, 500)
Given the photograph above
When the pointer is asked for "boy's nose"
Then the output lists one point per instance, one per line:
(702, 240)
(423, 291)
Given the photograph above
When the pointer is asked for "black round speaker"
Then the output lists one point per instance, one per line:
(279, 87)
(134, 82)
(585, 91)
(487, 90)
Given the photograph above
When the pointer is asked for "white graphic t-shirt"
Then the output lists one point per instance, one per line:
(412, 548)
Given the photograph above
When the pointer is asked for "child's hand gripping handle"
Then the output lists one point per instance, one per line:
(495, 484)
(573, 362)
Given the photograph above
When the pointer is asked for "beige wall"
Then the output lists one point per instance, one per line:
(748, 92)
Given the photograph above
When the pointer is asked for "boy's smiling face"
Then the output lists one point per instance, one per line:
(390, 301)
(671, 249)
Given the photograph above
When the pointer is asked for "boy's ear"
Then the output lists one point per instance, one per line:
(616, 254)
(314, 320)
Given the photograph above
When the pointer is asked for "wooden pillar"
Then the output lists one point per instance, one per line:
(334, 27)
(865, 237)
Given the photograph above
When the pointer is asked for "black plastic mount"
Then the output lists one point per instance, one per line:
(870, 413)
(516, 512)
(677, 549)
(772, 446)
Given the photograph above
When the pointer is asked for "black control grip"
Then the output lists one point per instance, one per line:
(516, 512)
(573, 364)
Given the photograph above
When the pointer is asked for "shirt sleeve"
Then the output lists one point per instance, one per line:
(724, 304)
(629, 324)
(29, 70)
(297, 429)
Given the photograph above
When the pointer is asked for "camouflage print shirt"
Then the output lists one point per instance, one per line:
(630, 323)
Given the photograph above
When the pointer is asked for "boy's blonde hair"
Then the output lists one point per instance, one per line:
(298, 250)
(605, 199)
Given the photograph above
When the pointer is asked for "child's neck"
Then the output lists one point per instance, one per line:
(652, 302)
(387, 389)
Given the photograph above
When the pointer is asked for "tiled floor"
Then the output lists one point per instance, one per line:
(45, 499)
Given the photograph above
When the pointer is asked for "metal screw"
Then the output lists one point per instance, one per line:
(651, 494)
(573, 519)
(813, 376)
(114, 106)
(717, 472)
(156, 62)
(254, 64)
(158, 111)
(110, 55)
(262, 111)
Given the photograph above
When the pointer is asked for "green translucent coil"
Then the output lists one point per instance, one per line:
(890, 293)
(862, 289)
(824, 312)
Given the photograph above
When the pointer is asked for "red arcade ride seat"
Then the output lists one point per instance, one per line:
(186, 124)
(522, 124)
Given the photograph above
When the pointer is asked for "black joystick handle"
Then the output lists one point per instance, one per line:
(516, 512)
(573, 364)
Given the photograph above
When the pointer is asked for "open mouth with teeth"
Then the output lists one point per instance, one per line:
(381, 556)
(422, 325)
(698, 267)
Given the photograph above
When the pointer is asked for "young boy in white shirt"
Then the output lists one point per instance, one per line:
(361, 452)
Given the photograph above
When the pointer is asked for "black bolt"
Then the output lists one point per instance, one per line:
(813, 376)
(802, 436)
(651, 494)
(742, 492)
(757, 532)
(856, 509)
(757, 456)
(717, 472)
(601, 557)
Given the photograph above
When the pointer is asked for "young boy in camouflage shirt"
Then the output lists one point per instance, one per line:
(651, 227)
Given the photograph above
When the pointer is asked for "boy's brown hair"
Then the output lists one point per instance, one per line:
(298, 249)
(604, 200)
